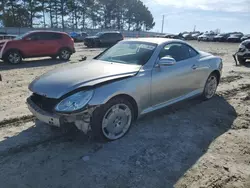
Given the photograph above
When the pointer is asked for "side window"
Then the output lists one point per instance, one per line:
(57, 36)
(34, 36)
(178, 51)
(111, 36)
(50, 36)
(118, 36)
(104, 36)
(192, 52)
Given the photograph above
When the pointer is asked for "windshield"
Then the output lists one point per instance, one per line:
(19, 37)
(99, 34)
(129, 52)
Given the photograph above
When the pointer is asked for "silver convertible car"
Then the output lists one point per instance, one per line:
(132, 78)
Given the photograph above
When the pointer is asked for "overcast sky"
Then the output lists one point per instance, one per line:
(182, 15)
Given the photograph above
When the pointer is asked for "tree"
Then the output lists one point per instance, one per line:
(44, 6)
(115, 14)
(34, 8)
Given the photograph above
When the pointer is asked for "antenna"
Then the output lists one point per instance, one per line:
(162, 26)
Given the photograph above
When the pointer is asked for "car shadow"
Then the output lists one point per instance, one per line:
(159, 149)
(31, 63)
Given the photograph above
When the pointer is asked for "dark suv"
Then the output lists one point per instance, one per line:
(243, 52)
(103, 39)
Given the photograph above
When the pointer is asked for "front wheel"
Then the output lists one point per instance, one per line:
(112, 120)
(241, 60)
(13, 57)
(64, 54)
(210, 87)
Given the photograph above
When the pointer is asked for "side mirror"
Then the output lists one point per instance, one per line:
(166, 61)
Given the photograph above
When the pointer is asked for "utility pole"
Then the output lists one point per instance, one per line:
(162, 26)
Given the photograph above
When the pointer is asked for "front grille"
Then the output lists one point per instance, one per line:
(46, 104)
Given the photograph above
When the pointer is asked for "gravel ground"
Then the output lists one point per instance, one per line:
(189, 145)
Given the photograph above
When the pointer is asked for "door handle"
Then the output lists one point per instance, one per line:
(194, 67)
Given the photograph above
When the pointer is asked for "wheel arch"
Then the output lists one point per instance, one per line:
(13, 49)
(218, 75)
(65, 47)
(130, 99)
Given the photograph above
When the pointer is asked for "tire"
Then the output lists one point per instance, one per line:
(241, 60)
(64, 54)
(13, 57)
(210, 87)
(118, 119)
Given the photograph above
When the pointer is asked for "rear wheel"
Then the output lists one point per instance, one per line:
(210, 87)
(112, 120)
(13, 57)
(64, 54)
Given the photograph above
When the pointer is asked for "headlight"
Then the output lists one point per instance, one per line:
(74, 102)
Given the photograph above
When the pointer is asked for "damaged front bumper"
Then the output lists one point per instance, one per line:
(80, 120)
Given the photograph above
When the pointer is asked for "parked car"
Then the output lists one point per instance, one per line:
(37, 44)
(7, 36)
(195, 36)
(103, 39)
(130, 79)
(243, 52)
(174, 36)
(245, 37)
(187, 36)
(78, 36)
(206, 37)
(160, 36)
(235, 38)
(221, 37)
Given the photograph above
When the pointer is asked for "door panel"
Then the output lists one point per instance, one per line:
(31, 46)
(182, 78)
(49, 43)
(48, 47)
(169, 82)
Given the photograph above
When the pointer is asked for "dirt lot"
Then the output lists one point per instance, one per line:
(189, 145)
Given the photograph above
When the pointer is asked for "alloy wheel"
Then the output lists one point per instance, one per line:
(116, 121)
(211, 87)
(14, 58)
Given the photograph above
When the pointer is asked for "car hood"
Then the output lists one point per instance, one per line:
(59, 82)
(3, 41)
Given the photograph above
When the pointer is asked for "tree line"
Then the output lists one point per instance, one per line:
(78, 14)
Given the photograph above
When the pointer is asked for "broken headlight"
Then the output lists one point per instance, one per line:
(242, 48)
(74, 102)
